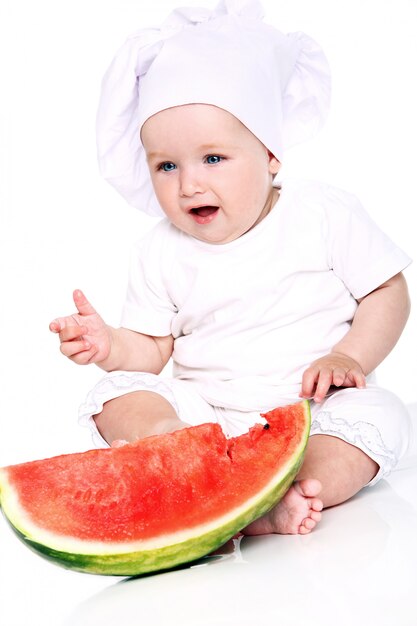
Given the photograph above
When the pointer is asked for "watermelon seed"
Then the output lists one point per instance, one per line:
(266, 427)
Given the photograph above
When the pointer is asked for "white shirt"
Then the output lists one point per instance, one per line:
(249, 316)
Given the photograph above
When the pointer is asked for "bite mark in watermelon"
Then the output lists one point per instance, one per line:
(156, 503)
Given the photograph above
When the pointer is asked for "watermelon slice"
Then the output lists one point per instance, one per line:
(156, 503)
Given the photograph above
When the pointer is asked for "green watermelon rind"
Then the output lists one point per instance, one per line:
(132, 563)
(135, 563)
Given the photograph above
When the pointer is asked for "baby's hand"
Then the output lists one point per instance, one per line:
(84, 336)
(335, 369)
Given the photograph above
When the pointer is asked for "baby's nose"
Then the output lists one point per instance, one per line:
(190, 183)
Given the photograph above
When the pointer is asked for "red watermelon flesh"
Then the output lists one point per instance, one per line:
(157, 502)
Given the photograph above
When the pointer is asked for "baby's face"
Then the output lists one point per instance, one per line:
(211, 175)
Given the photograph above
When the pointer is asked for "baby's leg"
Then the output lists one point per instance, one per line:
(136, 415)
(342, 469)
(371, 419)
(332, 472)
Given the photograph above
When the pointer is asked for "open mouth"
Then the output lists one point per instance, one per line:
(204, 214)
(204, 211)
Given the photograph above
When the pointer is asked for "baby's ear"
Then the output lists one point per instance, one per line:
(274, 164)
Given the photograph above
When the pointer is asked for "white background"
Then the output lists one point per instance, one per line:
(63, 227)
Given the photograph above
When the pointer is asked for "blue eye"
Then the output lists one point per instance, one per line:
(167, 167)
(212, 159)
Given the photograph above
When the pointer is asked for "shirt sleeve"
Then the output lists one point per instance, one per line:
(359, 252)
(148, 307)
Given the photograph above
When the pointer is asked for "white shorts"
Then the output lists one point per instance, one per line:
(372, 419)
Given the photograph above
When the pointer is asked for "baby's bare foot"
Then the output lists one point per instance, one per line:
(297, 513)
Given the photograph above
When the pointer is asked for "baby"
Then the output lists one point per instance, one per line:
(259, 293)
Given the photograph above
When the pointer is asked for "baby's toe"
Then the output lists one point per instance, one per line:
(315, 516)
(316, 504)
(308, 487)
(308, 523)
(306, 526)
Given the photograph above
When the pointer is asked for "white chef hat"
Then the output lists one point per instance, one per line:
(277, 85)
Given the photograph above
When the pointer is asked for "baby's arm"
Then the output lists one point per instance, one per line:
(86, 338)
(378, 323)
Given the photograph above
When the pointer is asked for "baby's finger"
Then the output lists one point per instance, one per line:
(84, 307)
(323, 384)
(85, 357)
(73, 348)
(358, 378)
(59, 323)
(56, 325)
(69, 333)
(308, 382)
(339, 376)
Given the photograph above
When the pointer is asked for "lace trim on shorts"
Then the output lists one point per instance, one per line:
(114, 385)
(360, 434)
